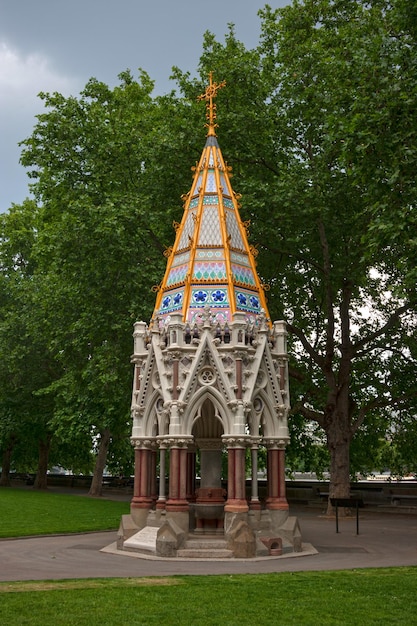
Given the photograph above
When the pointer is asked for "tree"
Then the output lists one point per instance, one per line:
(316, 213)
(26, 366)
(336, 247)
(362, 304)
(379, 145)
(104, 166)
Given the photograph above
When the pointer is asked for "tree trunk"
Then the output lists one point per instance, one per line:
(6, 465)
(338, 443)
(96, 487)
(338, 424)
(41, 481)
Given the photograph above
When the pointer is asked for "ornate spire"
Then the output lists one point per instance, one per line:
(209, 94)
(211, 263)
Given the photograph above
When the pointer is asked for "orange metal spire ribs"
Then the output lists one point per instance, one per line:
(211, 263)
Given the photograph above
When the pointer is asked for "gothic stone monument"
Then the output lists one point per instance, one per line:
(211, 379)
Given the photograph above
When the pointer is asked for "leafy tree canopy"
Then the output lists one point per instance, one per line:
(318, 124)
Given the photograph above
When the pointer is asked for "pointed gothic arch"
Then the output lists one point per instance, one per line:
(152, 416)
(207, 423)
(215, 397)
(263, 415)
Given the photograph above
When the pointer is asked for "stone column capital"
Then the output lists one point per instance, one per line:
(236, 441)
(275, 443)
(183, 441)
(144, 443)
(255, 442)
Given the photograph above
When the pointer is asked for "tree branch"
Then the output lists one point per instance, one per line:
(310, 414)
(317, 358)
(390, 323)
(378, 403)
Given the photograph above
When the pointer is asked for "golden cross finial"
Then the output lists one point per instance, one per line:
(208, 95)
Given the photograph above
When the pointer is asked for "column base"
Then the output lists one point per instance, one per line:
(277, 504)
(139, 515)
(139, 502)
(236, 506)
(180, 506)
(180, 518)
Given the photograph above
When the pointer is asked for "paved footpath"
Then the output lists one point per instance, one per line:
(384, 540)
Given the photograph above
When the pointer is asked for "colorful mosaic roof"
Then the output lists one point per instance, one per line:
(211, 262)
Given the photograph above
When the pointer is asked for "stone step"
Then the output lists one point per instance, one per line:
(205, 547)
(205, 544)
(205, 553)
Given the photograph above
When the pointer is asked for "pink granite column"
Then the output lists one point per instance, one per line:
(142, 498)
(276, 499)
(177, 499)
(153, 486)
(236, 479)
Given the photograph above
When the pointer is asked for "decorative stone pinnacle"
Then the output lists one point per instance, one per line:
(209, 94)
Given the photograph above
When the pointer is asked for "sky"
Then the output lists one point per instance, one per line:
(58, 45)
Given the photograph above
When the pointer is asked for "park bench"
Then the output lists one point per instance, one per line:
(397, 498)
(323, 495)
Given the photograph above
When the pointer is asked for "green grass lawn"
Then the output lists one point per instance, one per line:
(359, 597)
(26, 512)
